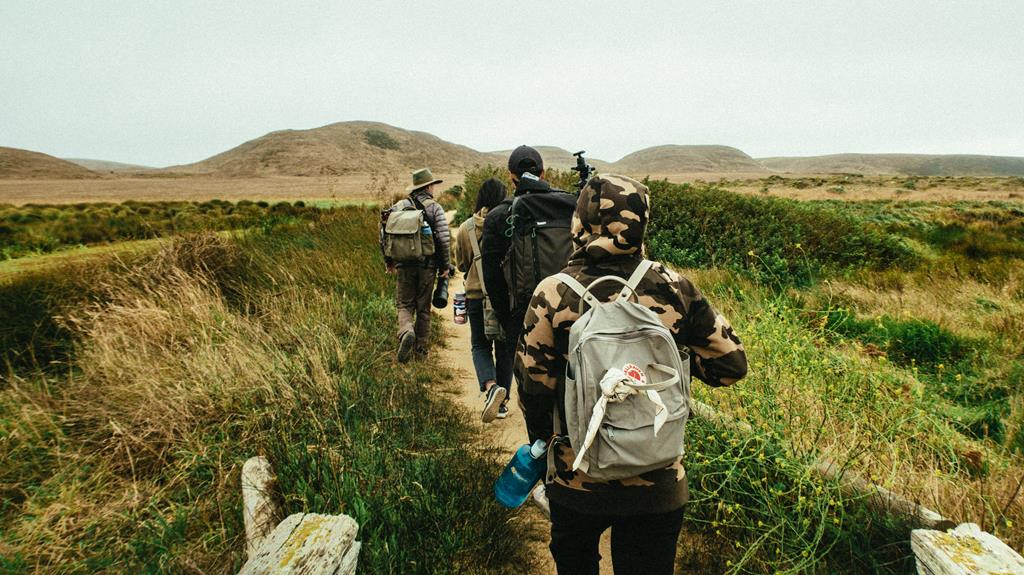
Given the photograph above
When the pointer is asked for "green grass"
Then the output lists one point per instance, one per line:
(181, 364)
(776, 241)
(35, 229)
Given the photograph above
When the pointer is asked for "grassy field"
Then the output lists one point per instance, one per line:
(165, 371)
(355, 187)
(882, 335)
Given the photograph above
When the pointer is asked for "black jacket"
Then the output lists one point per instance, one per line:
(494, 245)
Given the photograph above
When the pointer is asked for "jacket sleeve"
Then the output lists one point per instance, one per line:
(718, 356)
(493, 245)
(539, 362)
(442, 237)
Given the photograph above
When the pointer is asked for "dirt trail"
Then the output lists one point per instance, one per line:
(508, 434)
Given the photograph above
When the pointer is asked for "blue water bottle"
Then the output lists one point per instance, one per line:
(426, 231)
(521, 474)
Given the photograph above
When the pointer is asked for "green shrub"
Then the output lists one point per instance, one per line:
(41, 229)
(775, 240)
(381, 139)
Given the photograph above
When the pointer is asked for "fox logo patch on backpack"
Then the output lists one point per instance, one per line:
(627, 386)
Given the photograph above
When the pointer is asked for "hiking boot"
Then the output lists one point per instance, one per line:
(421, 352)
(405, 344)
(502, 412)
(493, 403)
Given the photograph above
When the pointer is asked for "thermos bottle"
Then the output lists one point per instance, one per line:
(521, 474)
(459, 307)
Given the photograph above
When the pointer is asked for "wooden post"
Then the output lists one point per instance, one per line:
(966, 550)
(302, 544)
(308, 544)
(259, 510)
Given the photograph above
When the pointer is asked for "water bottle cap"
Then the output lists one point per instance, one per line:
(538, 448)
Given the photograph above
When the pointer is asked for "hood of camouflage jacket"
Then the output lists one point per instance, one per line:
(611, 218)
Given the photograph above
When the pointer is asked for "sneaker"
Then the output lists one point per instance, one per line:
(502, 412)
(493, 403)
(405, 344)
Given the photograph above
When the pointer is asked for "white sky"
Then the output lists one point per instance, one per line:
(160, 82)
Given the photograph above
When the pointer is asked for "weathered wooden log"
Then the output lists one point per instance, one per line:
(307, 544)
(965, 550)
(258, 507)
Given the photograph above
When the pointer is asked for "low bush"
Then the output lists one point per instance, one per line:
(775, 240)
(41, 229)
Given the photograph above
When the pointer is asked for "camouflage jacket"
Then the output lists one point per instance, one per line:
(608, 231)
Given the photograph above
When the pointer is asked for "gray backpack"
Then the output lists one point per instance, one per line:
(627, 387)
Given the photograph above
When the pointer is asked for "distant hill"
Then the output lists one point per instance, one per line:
(554, 157)
(900, 164)
(105, 166)
(23, 164)
(675, 159)
(342, 148)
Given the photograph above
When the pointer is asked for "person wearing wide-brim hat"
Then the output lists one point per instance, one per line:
(421, 179)
(415, 280)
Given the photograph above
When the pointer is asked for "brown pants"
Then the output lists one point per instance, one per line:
(413, 291)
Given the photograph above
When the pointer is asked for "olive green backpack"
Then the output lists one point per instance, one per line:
(408, 237)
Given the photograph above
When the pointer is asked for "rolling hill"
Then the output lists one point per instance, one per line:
(901, 164)
(554, 157)
(676, 159)
(105, 166)
(19, 164)
(341, 148)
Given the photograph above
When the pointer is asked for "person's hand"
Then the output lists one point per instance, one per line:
(392, 268)
(444, 274)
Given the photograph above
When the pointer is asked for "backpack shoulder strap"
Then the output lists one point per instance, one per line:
(572, 282)
(635, 278)
(477, 260)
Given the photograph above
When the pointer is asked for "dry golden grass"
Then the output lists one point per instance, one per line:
(348, 188)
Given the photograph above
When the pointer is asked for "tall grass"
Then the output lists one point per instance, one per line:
(44, 228)
(213, 350)
(755, 499)
(776, 241)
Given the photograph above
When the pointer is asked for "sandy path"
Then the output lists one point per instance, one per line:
(508, 434)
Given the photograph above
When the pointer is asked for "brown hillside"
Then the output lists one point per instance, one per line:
(342, 148)
(23, 164)
(107, 166)
(902, 164)
(675, 159)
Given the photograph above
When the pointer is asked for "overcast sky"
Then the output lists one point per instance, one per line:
(161, 82)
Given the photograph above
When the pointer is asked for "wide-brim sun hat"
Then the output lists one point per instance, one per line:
(421, 179)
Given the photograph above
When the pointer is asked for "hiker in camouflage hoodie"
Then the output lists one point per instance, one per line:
(644, 512)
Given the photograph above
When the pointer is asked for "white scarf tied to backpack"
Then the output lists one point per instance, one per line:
(616, 387)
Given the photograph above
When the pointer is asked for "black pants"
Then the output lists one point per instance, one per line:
(641, 544)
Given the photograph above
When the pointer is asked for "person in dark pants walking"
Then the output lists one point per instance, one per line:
(492, 356)
(644, 512)
(415, 282)
(526, 168)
